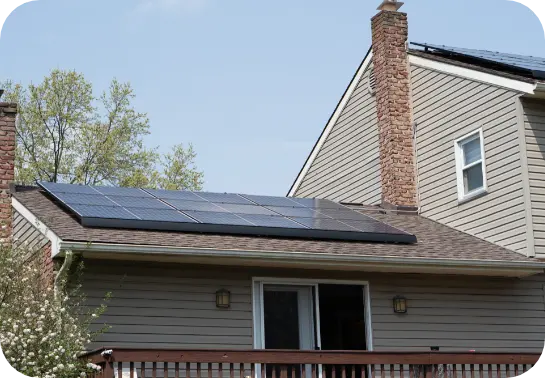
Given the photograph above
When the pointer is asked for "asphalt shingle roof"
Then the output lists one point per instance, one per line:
(435, 241)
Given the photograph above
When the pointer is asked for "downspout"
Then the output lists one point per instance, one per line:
(60, 280)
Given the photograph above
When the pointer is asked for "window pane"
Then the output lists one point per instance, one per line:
(473, 178)
(472, 151)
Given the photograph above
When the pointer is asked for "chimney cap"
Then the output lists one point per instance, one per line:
(390, 5)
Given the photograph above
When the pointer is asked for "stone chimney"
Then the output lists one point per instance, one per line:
(8, 112)
(391, 70)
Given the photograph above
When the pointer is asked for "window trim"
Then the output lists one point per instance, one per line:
(458, 150)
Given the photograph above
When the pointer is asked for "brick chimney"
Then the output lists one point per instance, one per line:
(391, 70)
(8, 112)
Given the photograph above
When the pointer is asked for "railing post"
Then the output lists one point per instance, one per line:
(428, 371)
(108, 371)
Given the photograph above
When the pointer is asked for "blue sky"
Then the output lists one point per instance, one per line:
(250, 83)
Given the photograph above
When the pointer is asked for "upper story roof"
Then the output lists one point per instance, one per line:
(523, 65)
(439, 249)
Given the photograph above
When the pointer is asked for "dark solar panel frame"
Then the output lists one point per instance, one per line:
(283, 221)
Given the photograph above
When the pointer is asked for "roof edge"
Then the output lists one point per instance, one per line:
(38, 224)
(331, 122)
(518, 84)
(310, 260)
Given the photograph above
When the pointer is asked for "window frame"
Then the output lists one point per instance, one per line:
(461, 167)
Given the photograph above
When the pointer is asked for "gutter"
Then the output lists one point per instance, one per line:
(540, 86)
(310, 259)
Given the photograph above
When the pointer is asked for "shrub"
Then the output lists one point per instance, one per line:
(43, 327)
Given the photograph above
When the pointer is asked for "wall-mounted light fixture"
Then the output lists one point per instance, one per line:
(400, 304)
(223, 298)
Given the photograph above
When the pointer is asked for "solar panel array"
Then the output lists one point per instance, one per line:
(153, 209)
(530, 63)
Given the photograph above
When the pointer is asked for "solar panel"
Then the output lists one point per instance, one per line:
(272, 201)
(54, 187)
(271, 221)
(195, 205)
(108, 212)
(84, 199)
(345, 214)
(139, 202)
(174, 194)
(316, 203)
(218, 218)
(227, 213)
(324, 224)
(125, 192)
(245, 209)
(160, 215)
(223, 197)
(304, 212)
(530, 63)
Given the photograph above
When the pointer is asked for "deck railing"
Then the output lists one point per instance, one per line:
(140, 363)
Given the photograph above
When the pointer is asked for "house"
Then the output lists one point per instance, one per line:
(452, 102)
(225, 284)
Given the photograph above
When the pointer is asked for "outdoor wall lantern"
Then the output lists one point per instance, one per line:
(223, 298)
(400, 304)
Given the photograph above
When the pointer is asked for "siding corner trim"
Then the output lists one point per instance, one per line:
(530, 246)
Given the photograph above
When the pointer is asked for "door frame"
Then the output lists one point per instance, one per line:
(257, 305)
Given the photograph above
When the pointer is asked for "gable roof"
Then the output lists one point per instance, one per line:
(479, 70)
(331, 122)
(438, 245)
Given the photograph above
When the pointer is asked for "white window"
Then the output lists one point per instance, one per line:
(470, 165)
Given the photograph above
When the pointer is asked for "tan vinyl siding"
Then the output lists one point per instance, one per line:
(446, 108)
(459, 313)
(169, 307)
(534, 129)
(26, 234)
(156, 306)
(346, 168)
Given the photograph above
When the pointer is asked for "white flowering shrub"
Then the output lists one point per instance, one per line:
(41, 333)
